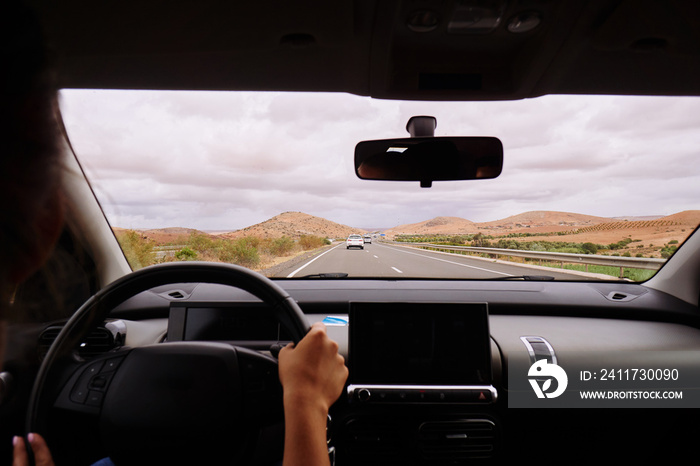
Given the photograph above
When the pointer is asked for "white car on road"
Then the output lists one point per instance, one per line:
(355, 241)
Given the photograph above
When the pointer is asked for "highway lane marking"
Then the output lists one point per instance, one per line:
(397, 270)
(317, 257)
(449, 262)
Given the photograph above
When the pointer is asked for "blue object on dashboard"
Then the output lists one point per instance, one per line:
(335, 321)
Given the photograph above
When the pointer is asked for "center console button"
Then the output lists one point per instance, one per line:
(363, 394)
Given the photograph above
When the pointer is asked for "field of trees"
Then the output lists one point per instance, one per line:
(252, 252)
(625, 247)
(626, 225)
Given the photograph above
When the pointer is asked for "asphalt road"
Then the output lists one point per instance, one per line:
(389, 261)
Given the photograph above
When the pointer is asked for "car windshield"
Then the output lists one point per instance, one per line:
(592, 187)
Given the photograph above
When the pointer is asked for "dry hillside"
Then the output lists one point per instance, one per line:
(294, 225)
(436, 226)
(648, 235)
(161, 236)
(169, 235)
(530, 222)
(541, 221)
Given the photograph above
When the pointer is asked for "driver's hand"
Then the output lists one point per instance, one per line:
(312, 371)
(42, 455)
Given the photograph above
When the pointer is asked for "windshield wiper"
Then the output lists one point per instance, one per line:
(326, 275)
(537, 278)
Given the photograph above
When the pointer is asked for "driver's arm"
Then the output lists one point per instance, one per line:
(312, 374)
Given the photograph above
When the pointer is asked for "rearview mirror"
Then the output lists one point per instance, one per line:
(428, 159)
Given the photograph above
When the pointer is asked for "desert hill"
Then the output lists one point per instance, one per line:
(539, 225)
(294, 225)
(163, 235)
(647, 235)
(435, 226)
(546, 218)
(634, 218)
(291, 224)
(530, 222)
(687, 217)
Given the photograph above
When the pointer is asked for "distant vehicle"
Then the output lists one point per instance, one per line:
(368, 239)
(354, 241)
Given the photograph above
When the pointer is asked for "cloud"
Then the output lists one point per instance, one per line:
(215, 160)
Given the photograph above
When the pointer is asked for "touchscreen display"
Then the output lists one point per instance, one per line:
(419, 344)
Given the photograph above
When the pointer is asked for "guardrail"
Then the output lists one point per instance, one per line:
(561, 257)
(167, 251)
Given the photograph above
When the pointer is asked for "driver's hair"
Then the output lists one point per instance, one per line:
(29, 135)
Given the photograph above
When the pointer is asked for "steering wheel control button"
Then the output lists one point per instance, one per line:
(93, 369)
(112, 364)
(80, 389)
(100, 382)
(94, 398)
(79, 394)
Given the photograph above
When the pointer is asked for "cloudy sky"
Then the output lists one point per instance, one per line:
(224, 161)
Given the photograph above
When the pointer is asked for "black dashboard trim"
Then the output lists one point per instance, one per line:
(504, 298)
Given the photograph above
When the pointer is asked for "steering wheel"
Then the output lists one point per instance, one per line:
(177, 402)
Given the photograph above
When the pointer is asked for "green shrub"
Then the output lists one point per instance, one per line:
(200, 242)
(186, 254)
(667, 251)
(252, 241)
(311, 242)
(568, 250)
(238, 252)
(137, 249)
(281, 246)
(589, 248)
(620, 244)
(480, 241)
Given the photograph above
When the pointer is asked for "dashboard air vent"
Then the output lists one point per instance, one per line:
(454, 441)
(620, 296)
(539, 348)
(437, 442)
(175, 294)
(97, 342)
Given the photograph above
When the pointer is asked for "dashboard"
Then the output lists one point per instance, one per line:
(431, 362)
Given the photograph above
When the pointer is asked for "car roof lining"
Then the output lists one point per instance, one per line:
(629, 47)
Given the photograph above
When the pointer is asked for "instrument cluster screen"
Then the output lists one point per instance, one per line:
(249, 322)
